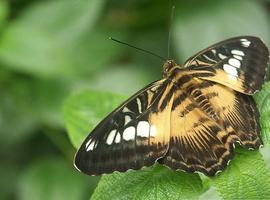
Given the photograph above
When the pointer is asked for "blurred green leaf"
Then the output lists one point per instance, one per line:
(156, 182)
(247, 177)
(9, 177)
(55, 39)
(199, 24)
(17, 116)
(54, 179)
(263, 102)
(27, 103)
(3, 13)
(83, 111)
(48, 98)
(112, 79)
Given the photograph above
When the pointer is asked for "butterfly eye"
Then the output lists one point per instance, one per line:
(168, 65)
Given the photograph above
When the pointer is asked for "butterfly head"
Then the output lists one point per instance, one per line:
(168, 66)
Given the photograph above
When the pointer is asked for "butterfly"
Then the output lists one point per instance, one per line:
(189, 119)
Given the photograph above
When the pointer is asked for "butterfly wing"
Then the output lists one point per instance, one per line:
(206, 119)
(239, 63)
(136, 134)
(198, 142)
(236, 112)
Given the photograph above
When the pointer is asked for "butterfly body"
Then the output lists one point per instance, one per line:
(190, 119)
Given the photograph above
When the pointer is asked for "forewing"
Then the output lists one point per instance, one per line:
(136, 134)
(198, 142)
(239, 63)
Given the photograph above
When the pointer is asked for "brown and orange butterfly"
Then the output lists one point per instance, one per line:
(190, 119)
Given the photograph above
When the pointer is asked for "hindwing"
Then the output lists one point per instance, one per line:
(236, 112)
(197, 142)
(206, 119)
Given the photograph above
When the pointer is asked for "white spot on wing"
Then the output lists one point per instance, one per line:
(110, 137)
(230, 70)
(234, 62)
(238, 57)
(126, 110)
(207, 58)
(245, 42)
(127, 119)
(139, 105)
(237, 52)
(214, 51)
(143, 129)
(118, 138)
(129, 133)
(87, 143)
(221, 56)
(91, 146)
(153, 131)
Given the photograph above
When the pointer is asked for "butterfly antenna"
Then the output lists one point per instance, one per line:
(170, 30)
(140, 49)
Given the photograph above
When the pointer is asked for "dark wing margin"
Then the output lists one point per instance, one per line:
(134, 135)
(239, 63)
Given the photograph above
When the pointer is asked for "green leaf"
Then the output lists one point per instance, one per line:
(9, 176)
(3, 13)
(130, 74)
(54, 179)
(157, 182)
(83, 111)
(262, 99)
(247, 177)
(60, 44)
(198, 27)
(210, 194)
(265, 151)
(27, 103)
(48, 98)
(17, 118)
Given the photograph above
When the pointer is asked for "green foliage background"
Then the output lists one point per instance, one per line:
(60, 75)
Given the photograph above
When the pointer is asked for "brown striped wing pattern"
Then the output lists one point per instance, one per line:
(236, 112)
(206, 119)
